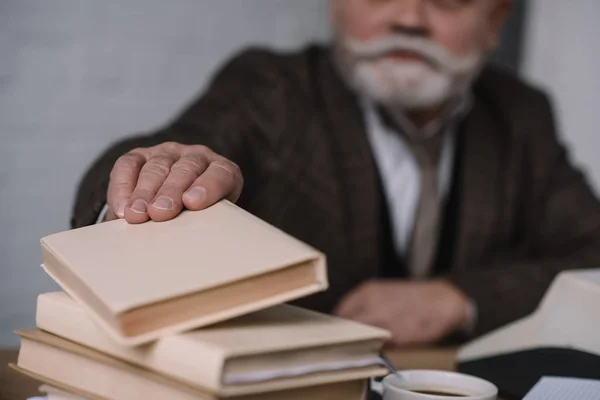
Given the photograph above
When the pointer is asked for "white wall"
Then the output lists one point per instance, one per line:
(78, 74)
(562, 53)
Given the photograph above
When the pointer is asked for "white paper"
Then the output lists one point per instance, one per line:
(52, 393)
(265, 375)
(557, 388)
(55, 396)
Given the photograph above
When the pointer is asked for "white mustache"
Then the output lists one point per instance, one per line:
(432, 52)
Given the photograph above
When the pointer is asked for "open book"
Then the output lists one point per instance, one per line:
(141, 282)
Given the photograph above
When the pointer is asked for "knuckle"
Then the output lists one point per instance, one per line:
(159, 164)
(200, 149)
(236, 169)
(230, 167)
(126, 163)
(170, 146)
(161, 159)
(138, 150)
(191, 165)
(186, 170)
(120, 184)
(156, 170)
(171, 187)
(143, 193)
(129, 162)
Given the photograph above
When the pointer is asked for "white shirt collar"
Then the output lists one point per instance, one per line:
(455, 109)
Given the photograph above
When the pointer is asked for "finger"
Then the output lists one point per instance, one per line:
(123, 178)
(373, 317)
(168, 202)
(109, 216)
(408, 336)
(221, 180)
(401, 327)
(352, 305)
(151, 178)
(416, 329)
(358, 300)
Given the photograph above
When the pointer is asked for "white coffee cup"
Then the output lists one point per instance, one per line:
(411, 382)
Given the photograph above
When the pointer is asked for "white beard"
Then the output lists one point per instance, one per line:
(407, 84)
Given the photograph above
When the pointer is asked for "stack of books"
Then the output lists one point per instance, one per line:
(192, 308)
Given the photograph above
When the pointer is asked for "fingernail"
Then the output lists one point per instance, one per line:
(196, 193)
(139, 207)
(121, 209)
(163, 203)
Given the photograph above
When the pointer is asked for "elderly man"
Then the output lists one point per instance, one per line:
(435, 185)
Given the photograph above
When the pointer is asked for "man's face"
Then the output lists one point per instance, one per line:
(414, 53)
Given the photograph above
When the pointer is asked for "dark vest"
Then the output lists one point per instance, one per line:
(393, 265)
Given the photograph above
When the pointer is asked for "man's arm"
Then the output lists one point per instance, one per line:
(224, 119)
(561, 230)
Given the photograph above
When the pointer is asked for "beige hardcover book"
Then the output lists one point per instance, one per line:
(352, 390)
(270, 349)
(93, 375)
(144, 281)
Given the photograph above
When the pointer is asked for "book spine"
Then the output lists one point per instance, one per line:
(197, 363)
(194, 363)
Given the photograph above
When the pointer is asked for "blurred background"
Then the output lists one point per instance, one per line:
(76, 75)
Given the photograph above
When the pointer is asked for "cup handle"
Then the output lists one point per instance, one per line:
(376, 387)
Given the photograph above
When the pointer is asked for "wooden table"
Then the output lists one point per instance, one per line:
(16, 387)
(13, 386)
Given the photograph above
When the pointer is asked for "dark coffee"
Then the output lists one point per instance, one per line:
(438, 393)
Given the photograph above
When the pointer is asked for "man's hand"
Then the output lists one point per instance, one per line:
(414, 312)
(157, 182)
